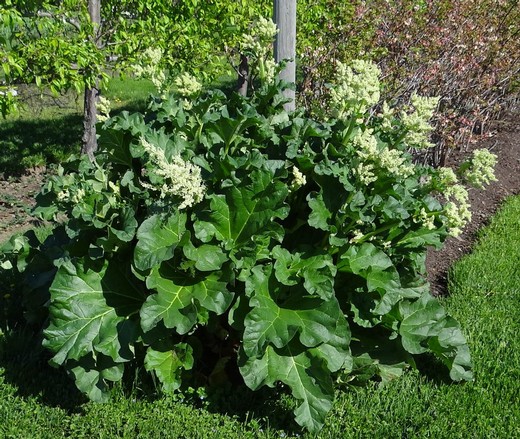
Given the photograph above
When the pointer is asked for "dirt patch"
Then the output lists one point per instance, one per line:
(505, 143)
(17, 198)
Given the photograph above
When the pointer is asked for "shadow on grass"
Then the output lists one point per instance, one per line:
(25, 366)
(42, 141)
(22, 358)
(39, 142)
(269, 408)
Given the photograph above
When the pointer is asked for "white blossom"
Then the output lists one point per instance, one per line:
(103, 108)
(388, 160)
(365, 173)
(63, 195)
(457, 209)
(387, 116)
(299, 179)
(181, 179)
(78, 196)
(260, 37)
(150, 67)
(187, 85)
(482, 169)
(417, 122)
(357, 88)
(394, 162)
(447, 176)
(258, 42)
(358, 235)
(425, 219)
(366, 145)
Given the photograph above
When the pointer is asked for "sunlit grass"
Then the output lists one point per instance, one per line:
(48, 129)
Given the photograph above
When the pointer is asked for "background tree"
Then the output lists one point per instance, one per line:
(72, 44)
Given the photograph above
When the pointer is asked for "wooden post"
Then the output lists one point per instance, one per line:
(285, 43)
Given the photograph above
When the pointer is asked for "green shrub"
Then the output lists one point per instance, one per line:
(218, 232)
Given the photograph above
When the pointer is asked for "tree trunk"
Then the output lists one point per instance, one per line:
(89, 145)
(89, 140)
(243, 75)
(285, 44)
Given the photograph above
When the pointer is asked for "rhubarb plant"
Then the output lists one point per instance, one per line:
(225, 231)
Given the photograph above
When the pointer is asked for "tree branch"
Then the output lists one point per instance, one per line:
(72, 21)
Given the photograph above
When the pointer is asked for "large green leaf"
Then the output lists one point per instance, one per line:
(314, 320)
(244, 212)
(380, 275)
(320, 214)
(426, 326)
(116, 144)
(451, 347)
(316, 270)
(421, 319)
(305, 374)
(91, 376)
(180, 297)
(206, 257)
(88, 311)
(168, 365)
(125, 225)
(157, 239)
(421, 238)
(363, 259)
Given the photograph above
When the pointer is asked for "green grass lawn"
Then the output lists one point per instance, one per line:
(39, 402)
(48, 129)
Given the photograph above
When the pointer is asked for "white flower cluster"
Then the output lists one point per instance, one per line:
(103, 108)
(269, 69)
(259, 42)
(357, 88)
(365, 173)
(482, 169)
(260, 38)
(394, 162)
(187, 85)
(299, 179)
(457, 211)
(417, 121)
(446, 176)
(357, 236)
(457, 208)
(150, 67)
(182, 179)
(389, 160)
(72, 194)
(387, 118)
(425, 219)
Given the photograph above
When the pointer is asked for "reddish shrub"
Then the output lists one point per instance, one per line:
(465, 51)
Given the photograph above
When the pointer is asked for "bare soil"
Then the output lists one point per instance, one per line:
(504, 141)
(17, 198)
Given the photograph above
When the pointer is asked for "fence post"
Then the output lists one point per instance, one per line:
(285, 44)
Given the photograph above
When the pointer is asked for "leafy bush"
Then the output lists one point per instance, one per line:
(218, 231)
